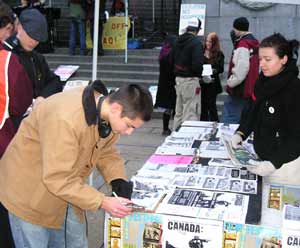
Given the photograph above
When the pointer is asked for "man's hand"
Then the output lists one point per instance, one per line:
(116, 207)
(122, 188)
(261, 168)
(236, 140)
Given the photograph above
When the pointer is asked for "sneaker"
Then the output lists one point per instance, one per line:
(166, 132)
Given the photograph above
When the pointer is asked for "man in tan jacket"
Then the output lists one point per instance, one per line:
(44, 169)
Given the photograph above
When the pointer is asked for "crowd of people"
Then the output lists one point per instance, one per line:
(261, 91)
(59, 137)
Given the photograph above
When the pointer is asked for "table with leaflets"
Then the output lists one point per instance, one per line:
(195, 192)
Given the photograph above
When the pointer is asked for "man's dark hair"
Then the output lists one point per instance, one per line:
(6, 15)
(278, 42)
(136, 101)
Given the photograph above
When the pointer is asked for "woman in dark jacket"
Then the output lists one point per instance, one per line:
(211, 85)
(166, 94)
(273, 113)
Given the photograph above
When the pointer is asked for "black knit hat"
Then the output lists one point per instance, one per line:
(241, 24)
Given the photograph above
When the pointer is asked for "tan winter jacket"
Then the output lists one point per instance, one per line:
(47, 163)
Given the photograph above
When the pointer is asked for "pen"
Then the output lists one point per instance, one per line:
(115, 195)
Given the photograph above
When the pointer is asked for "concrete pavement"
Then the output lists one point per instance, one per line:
(135, 149)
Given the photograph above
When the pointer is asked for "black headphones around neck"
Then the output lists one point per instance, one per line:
(104, 128)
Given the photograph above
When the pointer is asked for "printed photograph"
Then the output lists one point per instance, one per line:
(236, 185)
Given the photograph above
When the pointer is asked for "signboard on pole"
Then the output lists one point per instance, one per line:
(114, 33)
(188, 11)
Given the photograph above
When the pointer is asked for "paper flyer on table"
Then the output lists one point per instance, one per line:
(200, 124)
(184, 232)
(205, 204)
(65, 71)
(170, 168)
(260, 236)
(232, 234)
(161, 150)
(290, 238)
(291, 217)
(164, 159)
(213, 149)
(142, 230)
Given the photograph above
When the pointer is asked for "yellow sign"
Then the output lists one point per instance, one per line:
(113, 36)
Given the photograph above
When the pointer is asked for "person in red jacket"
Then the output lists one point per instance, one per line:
(243, 70)
(16, 97)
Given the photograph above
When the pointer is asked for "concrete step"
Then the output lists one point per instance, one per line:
(109, 66)
(128, 75)
(110, 58)
(136, 52)
(117, 82)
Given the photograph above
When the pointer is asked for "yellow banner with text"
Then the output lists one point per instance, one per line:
(114, 29)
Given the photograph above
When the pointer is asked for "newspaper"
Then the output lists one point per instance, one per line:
(239, 156)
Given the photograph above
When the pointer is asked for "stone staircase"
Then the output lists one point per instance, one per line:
(142, 67)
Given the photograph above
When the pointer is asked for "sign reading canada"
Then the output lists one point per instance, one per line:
(114, 33)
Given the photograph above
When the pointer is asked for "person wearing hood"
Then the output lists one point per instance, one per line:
(273, 112)
(188, 58)
(30, 31)
(243, 70)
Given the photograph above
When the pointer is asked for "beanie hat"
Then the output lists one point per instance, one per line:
(241, 24)
(34, 24)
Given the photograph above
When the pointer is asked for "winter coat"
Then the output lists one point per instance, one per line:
(188, 56)
(274, 116)
(20, 98)
(166, 93)
(218, 67)
(47, 164)
(44, 81)
(243, 67)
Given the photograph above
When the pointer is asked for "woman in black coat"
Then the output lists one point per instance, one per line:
(273, 113)
(211, 85)
(166, 94)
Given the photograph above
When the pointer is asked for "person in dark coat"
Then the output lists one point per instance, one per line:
(31, 30)
(273, 112)
(166, 94)
(211, 85)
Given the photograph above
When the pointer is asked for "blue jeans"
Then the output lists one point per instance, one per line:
(232, 110)
(72, 234)
(74, 24)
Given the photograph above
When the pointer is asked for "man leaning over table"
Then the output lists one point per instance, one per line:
(44, 170)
